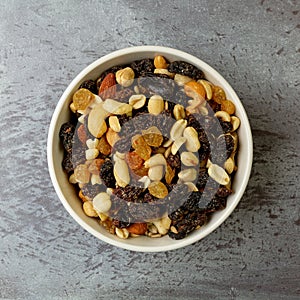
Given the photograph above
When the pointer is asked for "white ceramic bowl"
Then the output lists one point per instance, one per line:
(65, 190)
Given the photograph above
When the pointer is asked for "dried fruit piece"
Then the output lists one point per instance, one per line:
(228, 106)
(81, 133)
(218, 94)
(95, 166)
(107, 175)
(89, 85)
(133, 160)
(170, 174)
(82, 99)
(66, 134)
(194, 90)
(82, 175)
(137, 228)
(108, 86)
(103, 146)
(158, 189)
(141, 147)
(141, 172)
(152, 136)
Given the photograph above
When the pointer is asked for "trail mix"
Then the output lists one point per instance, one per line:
(151, 148)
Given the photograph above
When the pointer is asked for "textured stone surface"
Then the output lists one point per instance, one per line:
(44, 254)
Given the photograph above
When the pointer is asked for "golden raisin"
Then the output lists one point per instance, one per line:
(160, 62)
(228, 106)
(134, 161)
(82, 98)
(218, 94)
(158, 189)
(191, 88)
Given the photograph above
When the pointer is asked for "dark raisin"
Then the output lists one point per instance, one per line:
(89, 85)
(143, 65)
(214, 105)
(184, 68)
(121, 224)
(124, 94)
(66, 134)
(174, 161)
(107, 174)
(123, 119)
(91, 190)
(192, 201)
(129, 193)
(202, 179)
(114, 70)
(67, 162)
(223, 192)
(229, 144)
(226, 126)
(216, 203)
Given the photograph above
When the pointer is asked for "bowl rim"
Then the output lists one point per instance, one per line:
(50, 159)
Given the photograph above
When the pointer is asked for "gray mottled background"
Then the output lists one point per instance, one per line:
(44, 254)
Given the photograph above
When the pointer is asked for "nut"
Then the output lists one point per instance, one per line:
(160, 62)
(156, 173)
(116, 107)
(112, 137)
(158, 189)
(189, 159)
(108, 86)
(179, 112)
(89, 210)
(152, 228)
(96, 121)
(125, 77)
(82, 99)
(83, 197)
(235, 122)
(122, 233)
(73, 108)
(167, 152)
(194, 90)
(156, 105)
(103, 217)
(146, 181)
(181, 80)
(223, 115)
(114, 123)
(81, 173)
(177, 144)
(229, 165)
(188, 174)
(164, 71)
(137, 101)
(168, 143)
(177, 129)
(91, 154)
(155, 160)
(102, 202)
(192, 143)
(163, 225)
(207, 87)
(72, 179)
(121, 173)
(218, 174)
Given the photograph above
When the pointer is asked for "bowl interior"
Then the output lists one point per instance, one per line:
(66, 191)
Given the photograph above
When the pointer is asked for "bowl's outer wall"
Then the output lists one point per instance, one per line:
(65, 190)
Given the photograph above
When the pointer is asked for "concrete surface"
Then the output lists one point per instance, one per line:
(44, 254)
